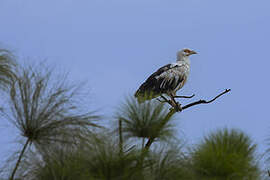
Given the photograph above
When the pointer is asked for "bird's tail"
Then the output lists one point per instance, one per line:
(143, 96)
(139, 96)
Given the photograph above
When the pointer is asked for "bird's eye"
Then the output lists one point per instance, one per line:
(187, 51)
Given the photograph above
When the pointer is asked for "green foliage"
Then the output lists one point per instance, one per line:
(146, 120)
(96, 159)
(60, 162)
(168, 164)
(61, 140)
(225, 154)
(44, 110)
(106, 161)
(7, 65)
(101, 157)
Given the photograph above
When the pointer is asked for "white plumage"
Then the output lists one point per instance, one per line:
(167, 79)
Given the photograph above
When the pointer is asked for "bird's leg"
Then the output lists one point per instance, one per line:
(164, 100)
(175, 104)
(185, 96)
(172, 102)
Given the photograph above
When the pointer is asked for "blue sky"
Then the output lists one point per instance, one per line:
(116, 44)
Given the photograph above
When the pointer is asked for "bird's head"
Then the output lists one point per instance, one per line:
(185, 53)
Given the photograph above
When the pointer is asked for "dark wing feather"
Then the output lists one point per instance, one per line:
(152, 86)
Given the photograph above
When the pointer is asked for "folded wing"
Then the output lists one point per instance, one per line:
(167, 79)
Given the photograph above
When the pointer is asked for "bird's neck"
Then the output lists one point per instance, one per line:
(183, 59)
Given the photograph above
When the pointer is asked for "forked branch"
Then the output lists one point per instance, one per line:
(165, 100)
(175, 109)
(204, 101)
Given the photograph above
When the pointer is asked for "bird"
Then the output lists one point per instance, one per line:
(166, 80)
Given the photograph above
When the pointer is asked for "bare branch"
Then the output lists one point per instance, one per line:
(204, 101)
(185, 96)
(162, 101)
(177, 108)
(165, 99)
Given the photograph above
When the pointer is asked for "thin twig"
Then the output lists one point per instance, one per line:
(162, 101)
(165, 99)
(129, 149)
(185, 96)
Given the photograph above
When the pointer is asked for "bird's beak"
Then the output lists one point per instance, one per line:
(192, 52)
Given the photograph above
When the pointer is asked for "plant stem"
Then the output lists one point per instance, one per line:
(19, 160)
(120, 137)
(168, 116)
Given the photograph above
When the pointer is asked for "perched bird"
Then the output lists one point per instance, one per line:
(167, 79)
